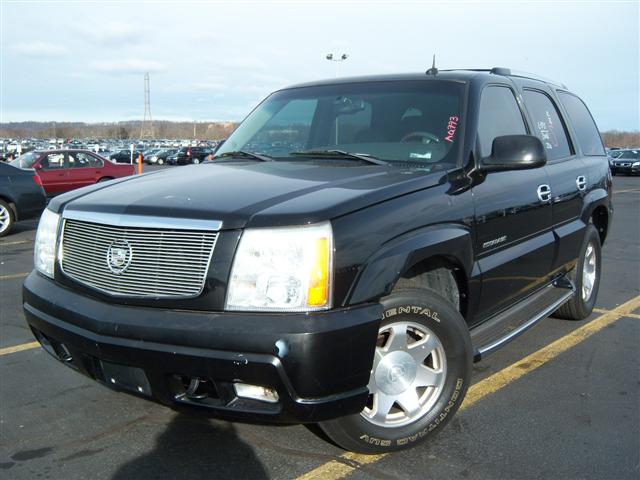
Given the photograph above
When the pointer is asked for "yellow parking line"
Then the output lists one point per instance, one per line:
(602, 310)
(18, 348)
(13, 276)
(349, 462)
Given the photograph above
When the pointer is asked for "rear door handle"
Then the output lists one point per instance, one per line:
(544, 193)
(581, 182)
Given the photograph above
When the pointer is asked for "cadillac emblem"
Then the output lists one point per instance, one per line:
(119, 256)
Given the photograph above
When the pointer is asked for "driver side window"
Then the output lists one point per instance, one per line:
(499, 115)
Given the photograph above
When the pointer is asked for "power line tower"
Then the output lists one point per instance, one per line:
(147, 122)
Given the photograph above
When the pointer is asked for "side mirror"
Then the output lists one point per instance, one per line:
(514, 152)
(37, 166)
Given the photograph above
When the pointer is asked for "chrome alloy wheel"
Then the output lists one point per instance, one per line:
(589, 272)
(5, 218)
(408, 375)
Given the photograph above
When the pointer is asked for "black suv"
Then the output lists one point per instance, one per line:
(353, 247)
(189, 155)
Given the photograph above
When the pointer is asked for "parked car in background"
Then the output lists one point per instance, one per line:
(148, 154)
(626, 161)
(188, 155)
(160, 157)
(21, 196)
(64, 170)
(124, 156)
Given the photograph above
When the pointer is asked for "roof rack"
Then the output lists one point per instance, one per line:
(507, 72)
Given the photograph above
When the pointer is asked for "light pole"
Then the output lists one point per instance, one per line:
(338, 60)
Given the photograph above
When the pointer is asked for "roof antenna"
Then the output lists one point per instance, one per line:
(433, 70)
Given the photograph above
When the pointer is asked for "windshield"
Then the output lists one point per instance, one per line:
(629, 154)
(25, 161)
(401, 121)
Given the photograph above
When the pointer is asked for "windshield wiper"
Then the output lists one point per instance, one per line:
(341, 154)
(242, 153)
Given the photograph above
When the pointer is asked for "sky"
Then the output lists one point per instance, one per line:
(85, 60)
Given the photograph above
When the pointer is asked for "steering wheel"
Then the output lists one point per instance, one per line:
(423, 137)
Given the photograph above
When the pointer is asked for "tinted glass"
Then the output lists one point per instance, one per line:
(547, 124)
(499, 115)
(629, 154)
(79, 160)
(94, 161)
(402, 121)
(586, 129)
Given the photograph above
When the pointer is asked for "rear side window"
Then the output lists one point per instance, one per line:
(547, 124)
(586, 130)
(499, 115)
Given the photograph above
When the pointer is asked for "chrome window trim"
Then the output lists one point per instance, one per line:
(142, 221)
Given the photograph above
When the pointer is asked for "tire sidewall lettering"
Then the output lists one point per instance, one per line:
(412, 310)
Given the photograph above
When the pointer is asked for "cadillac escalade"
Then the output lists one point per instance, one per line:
(349, 252)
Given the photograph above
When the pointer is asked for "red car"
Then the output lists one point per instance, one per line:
(64, 170)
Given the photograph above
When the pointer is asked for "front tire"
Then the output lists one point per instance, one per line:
(420, 375)
(7, 218)
(586, 278)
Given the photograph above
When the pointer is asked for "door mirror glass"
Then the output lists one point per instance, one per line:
(515, 152)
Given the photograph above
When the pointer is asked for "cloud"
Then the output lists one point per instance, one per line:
(127, 66)
(208, 86)
(250, 63)
(39, 49)
(111, 34)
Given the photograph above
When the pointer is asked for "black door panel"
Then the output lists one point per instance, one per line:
(514, 240)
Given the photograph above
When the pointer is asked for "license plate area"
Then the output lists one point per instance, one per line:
(125, 377)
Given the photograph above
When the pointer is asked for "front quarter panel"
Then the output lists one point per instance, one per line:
(376, 245)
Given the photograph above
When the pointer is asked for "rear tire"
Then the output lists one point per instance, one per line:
(7, 218)
(104, 179)
(420, 375)
(586, 278)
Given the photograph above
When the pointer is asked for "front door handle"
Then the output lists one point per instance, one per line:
(544, 193)
(581, 182)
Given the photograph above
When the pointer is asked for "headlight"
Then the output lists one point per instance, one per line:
(636, 164)
(283, 269)
(44, 254)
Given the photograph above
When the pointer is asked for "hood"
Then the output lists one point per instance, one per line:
(251, 194)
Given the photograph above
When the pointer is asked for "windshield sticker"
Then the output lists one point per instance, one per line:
(452, 126)
(421, 156)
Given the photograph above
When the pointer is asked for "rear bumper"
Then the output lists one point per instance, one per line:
(318, 364)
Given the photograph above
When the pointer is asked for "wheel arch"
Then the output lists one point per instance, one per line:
(597, 210)
(413, 258)
(12, 206)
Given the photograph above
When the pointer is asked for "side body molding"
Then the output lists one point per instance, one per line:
(383, 269)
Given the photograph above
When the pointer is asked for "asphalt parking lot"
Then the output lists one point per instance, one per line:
(562, 401)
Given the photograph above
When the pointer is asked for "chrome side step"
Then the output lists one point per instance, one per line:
(504, 327)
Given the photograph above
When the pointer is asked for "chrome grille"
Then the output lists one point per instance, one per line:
(161, 262)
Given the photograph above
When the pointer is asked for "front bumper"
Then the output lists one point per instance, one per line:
(317, 363)
(627, 169)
